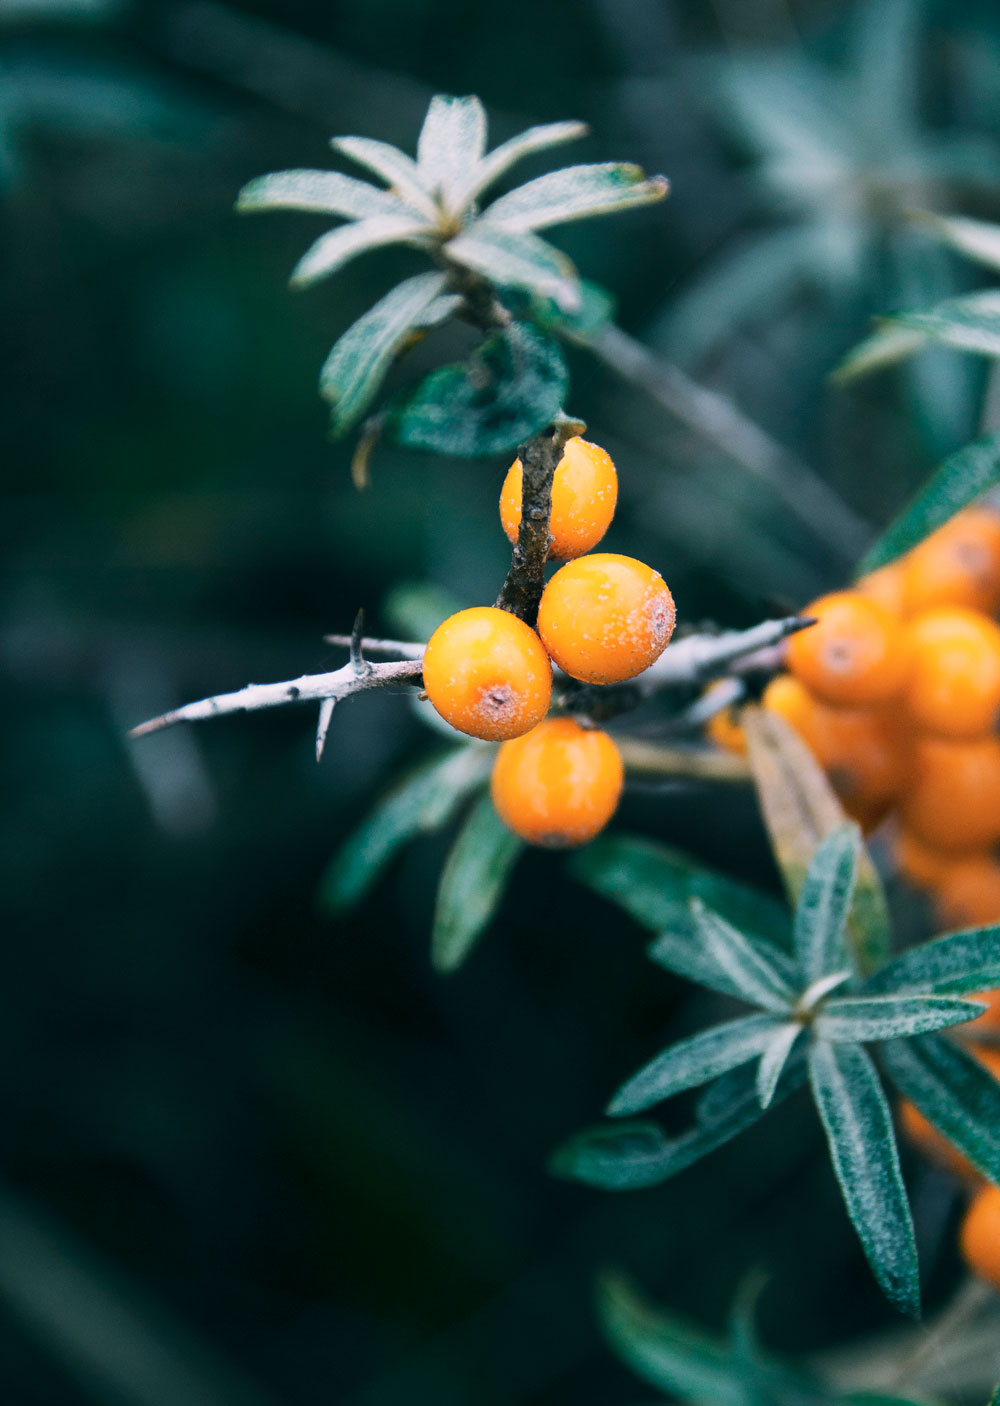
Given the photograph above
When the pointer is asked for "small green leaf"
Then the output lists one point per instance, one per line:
(680, 950)
(753, 976)
(508, 257)
(575, 193)
(501, 158)
(338, 246)
(888, 344)
(859, 1131)
(824, 903)
(975, 238)
(326, 192)
(954, 1091)
(655, 884)
(472, 884)
(357, 365)
(962, 961)
(885, 1017)
(800, 809)
(597, 308)
(513, 387)
(451, 143)
(774, 1059)
(395, 167)
(422, 802)
(970, 323)
(962, 477)
(694, 1061)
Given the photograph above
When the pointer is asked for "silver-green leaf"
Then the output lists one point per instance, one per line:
(977, 239)
(576, 193)
(954, 1091)
(357, 365)
(451, 143)
(958, 962)
(396, 168)
(503, 157)
(824, 904)
(325, 192)
(336, 248)
(694, 1061)
(520, 260)
(472, 884)
(753, 976)
(774, 1059)
(858, 1126)
(886, 1017)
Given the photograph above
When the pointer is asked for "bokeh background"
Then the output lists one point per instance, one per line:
(253, 1154)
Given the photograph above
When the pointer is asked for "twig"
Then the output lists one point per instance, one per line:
(522, 589)
(407, 648)
(687, 762)
(717, 420)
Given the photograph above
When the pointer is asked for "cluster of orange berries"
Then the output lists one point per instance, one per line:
(602, 619)
(896, 690)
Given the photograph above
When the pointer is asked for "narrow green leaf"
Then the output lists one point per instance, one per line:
(824, 903)
(576, 193)
(995, 1398)
(959, 962)
(680, 950)
(962, 477)
(519, 260)
(326, 192)
(513, 387)
(888, 344)
(885, 1017)
(970, 323)
(800, 810)
(859, 1130)
(977, 239)
(422, 802)
(655, 884)
(774, 1059)
(954, 1091)
(451, 143)
(597, 308)
(337, 247)
(694, 1061)
(472, 884)
(753, 976)
(356, 367)
(396, 168)
(503, 157)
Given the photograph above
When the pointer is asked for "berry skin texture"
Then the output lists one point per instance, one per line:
(584, 494)
(954, 684)
(854, 656)
(952, 796)
(979, 1237)
(858, 748)
(933, 1144)
(559, 784)
(959, 564)
(605, 618)
(486, 673)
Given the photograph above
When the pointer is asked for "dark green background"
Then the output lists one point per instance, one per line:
(249, 1154)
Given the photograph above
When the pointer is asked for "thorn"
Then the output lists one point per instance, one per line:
(325, 714)
(357, 658)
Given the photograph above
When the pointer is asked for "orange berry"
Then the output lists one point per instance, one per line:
(559, 784)
(990, 1018)
(951, 800)
(959, 564)
(884, 586)
(855, 655)
(934, 1144)
(604, 618)
(921, 864)
(726, 731)
(584, 494)
(979, 1236)
(954, 684)
(487, 674)
(858, 748)
(967, 895)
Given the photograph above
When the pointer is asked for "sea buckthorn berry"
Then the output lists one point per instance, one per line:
(604, 618)
(726, 731)
(953, 687)
(858, 748)
(967, 894)
(559, 784)
(854, 656)
(935, 1146)
(980, 1235)
(959, 564)
(584, 494)
(951, 800)
(487, 674)
(921, 864)
(884, 586)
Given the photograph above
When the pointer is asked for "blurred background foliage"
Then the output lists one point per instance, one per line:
(253, 1155)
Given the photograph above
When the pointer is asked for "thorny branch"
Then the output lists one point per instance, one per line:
(694, 660)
